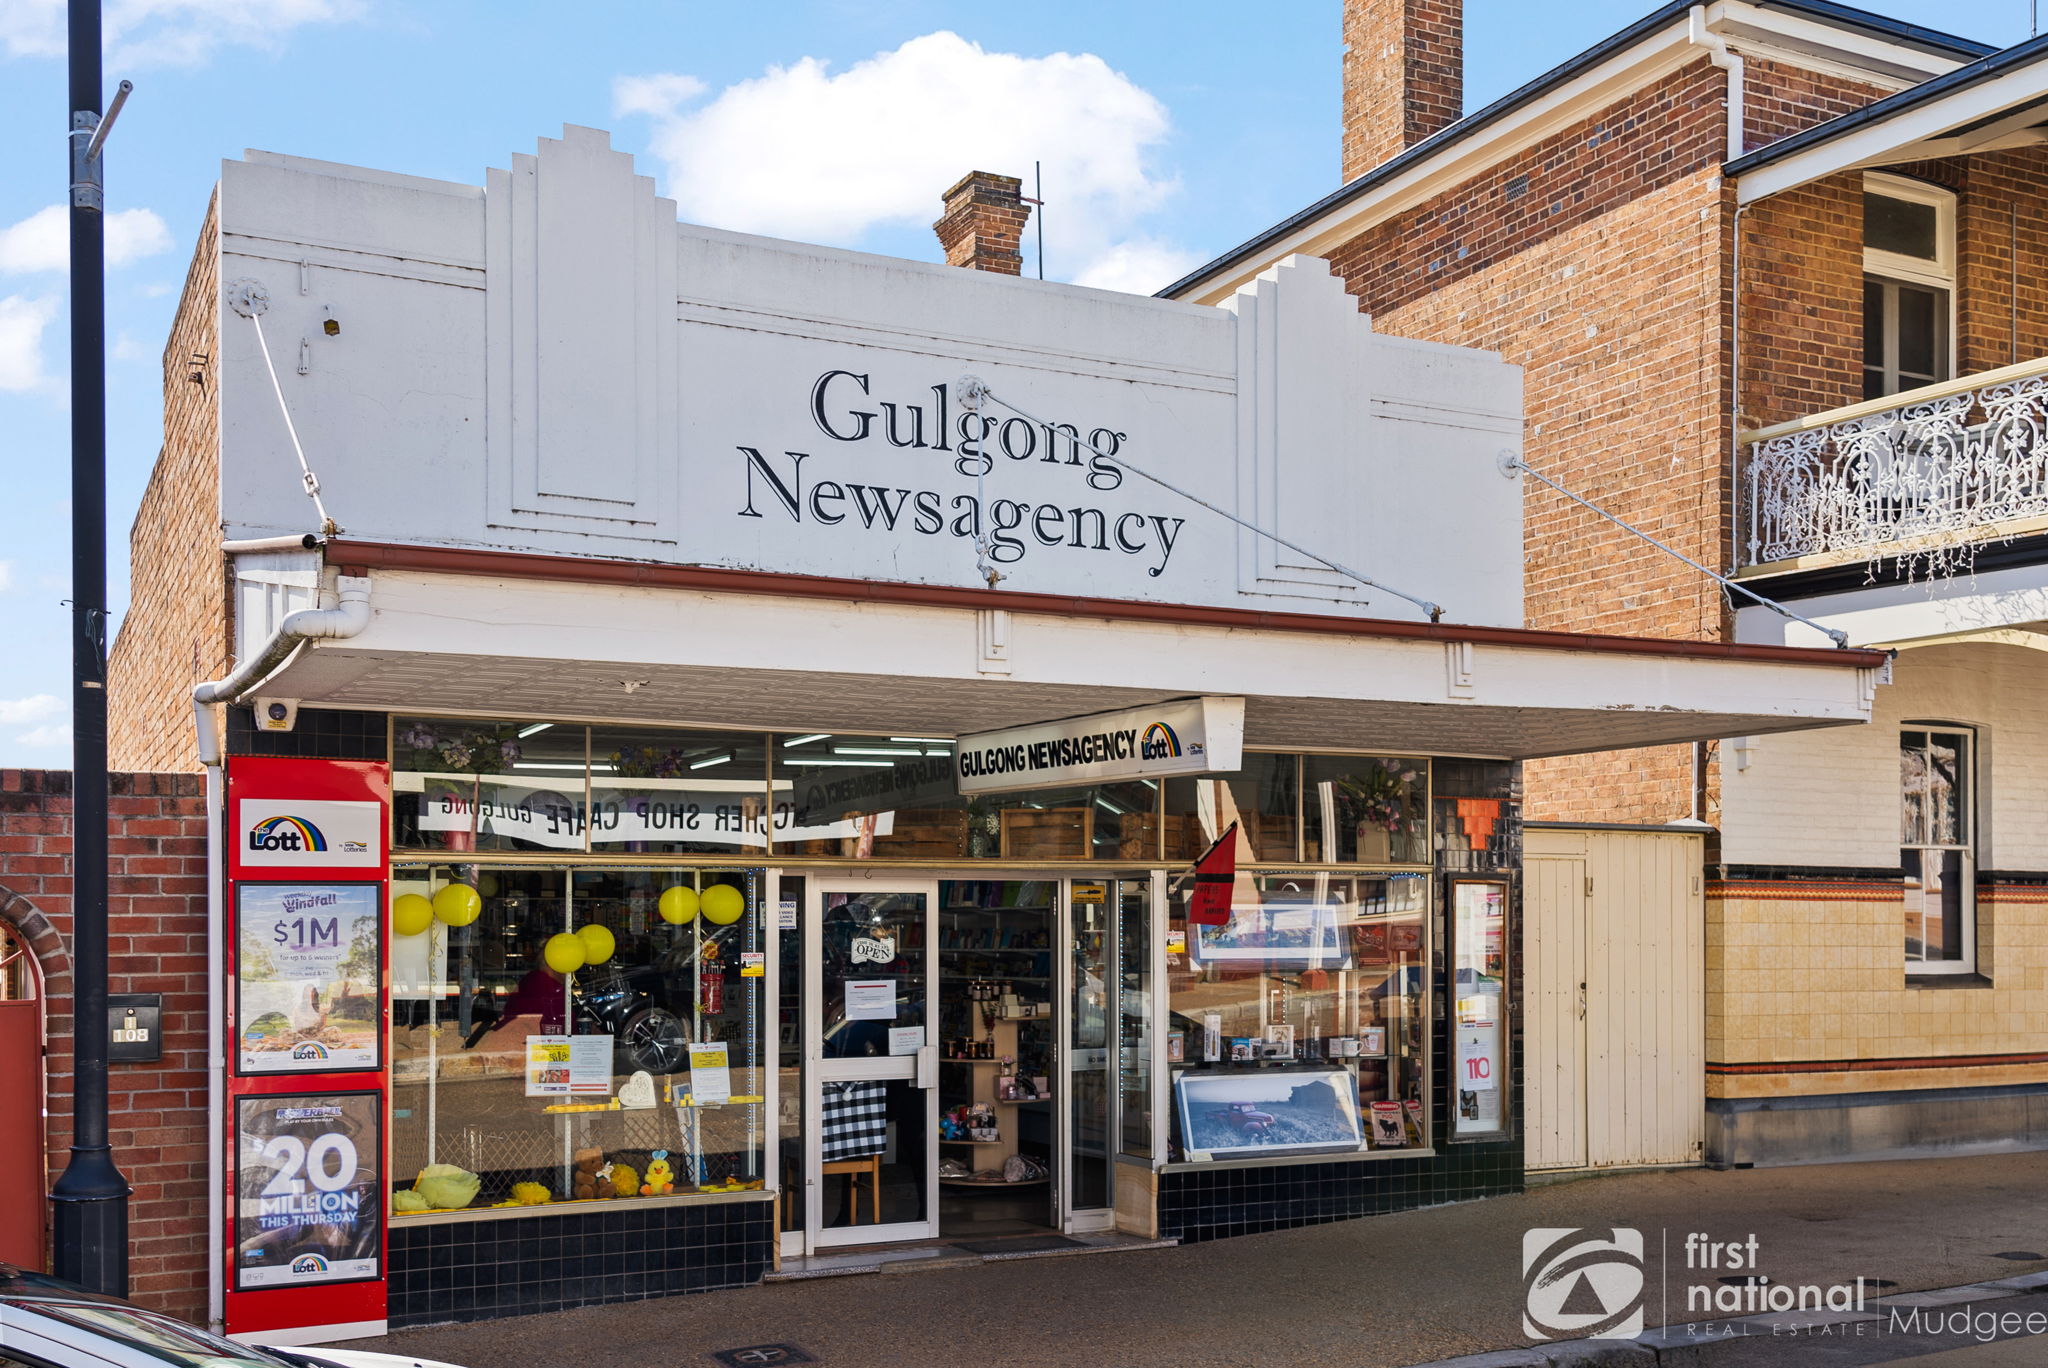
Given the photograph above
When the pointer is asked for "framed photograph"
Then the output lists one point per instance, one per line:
(1233, 1115)
(1299, 934)
(308, 961)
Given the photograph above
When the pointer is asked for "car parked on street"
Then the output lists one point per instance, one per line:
(48, 1323)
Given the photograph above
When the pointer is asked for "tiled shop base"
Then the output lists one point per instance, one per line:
(1215, 1204)
(482, 1270)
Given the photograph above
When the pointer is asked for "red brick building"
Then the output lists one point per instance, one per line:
(1710, 240)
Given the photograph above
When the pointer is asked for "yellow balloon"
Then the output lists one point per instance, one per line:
(411, 914)
(487, 885)
(678, 904)
(564, 953)
(457, 904)
(723, 904)
(598, 943)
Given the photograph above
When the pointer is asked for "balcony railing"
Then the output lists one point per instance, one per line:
(1926, 473)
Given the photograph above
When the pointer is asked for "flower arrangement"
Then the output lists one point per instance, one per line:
(463, 747)
(650, 762)
(1384, 794)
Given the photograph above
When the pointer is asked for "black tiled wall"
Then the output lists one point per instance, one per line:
(481, 1270)
(316, 734)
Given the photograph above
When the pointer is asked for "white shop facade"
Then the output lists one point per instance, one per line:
(785, 705)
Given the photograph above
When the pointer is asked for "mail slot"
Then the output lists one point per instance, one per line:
(136, 1022)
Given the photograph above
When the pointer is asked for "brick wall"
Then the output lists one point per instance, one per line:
(1404, 76)
(983, 226)
(175, 632)
(1780, 100)
(156, 944)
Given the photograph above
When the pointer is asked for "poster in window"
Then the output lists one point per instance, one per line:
(1479, 965)
(307, 1204)
(307, 960)
(1237, 1115)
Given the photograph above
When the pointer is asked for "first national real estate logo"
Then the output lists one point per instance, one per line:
(1582, 1283)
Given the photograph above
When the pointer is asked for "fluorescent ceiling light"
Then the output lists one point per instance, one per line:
(534, 730)
(806, 740)
(926, 740)
(551, 765)
(812, 761)
(876, 750)
(707, 764)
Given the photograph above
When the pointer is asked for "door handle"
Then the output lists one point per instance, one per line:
(927, 1066)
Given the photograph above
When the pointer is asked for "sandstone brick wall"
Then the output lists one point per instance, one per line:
(176, 630)
(156, 943)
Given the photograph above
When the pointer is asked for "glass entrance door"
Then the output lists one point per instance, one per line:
(1091, 997)
(871, 1133)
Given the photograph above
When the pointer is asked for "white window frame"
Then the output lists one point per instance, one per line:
(1973, 781)
(1936, 274)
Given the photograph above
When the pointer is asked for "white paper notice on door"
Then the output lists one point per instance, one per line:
(905, 1040)
(871, 999)
(710, 1075)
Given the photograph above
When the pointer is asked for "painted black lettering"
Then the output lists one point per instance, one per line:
(889, 434)
(787, 494)
(821, 491)
(1167, 534)
(1123, 542)
(1058, 519)
(1079, 538)
(872, 502)
(865, 420)
(928, 509)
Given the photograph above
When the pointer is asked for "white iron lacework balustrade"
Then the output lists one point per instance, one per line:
(1920, 479)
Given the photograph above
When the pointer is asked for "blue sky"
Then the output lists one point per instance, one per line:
(1170, 131)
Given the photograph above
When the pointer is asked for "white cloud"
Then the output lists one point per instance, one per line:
(16, 712)
(42, 241)
(801, 152)
(22, 320)
(143, 33)
(55, 735)
(1138, 266)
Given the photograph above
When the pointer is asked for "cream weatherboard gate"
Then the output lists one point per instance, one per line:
(1615, 982)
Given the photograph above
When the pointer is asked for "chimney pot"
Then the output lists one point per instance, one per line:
(983, 226)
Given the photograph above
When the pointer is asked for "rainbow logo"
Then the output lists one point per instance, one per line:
(1158, 743)
(309, 1049)
(308, 1266)
(286, 833)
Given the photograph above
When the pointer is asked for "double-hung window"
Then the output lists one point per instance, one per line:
(1909, 273)
(1937, 840)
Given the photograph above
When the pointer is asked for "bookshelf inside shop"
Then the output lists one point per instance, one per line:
(996, 1031)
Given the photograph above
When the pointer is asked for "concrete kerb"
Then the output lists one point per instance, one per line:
(1670, 1346)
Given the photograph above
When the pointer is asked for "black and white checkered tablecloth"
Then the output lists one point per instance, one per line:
(856, 1121)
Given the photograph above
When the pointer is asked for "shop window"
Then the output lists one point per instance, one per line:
(1366, 809)
(873, 797)
(1938, 849)
(564, 991)
(1263, 798)
(660, 791)
(1908, 284)
(1478, 1066)
(1134, 1015)
(463, 784)
(1300, 1026)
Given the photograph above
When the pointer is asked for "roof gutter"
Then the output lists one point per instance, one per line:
(1699, 35)
(346, 619)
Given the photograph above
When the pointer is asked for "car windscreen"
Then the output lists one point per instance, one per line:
(158, 1336)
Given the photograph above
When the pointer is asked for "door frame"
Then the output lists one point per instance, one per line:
(921, 1067)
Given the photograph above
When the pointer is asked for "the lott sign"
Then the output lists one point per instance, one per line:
(1183, 736)
(297, 833)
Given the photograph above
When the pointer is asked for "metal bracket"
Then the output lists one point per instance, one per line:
(89, 131)
(248, 297)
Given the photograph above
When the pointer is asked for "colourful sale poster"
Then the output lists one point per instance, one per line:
(309, 1205)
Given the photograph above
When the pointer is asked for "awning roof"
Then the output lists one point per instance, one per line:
(898, 659)
(1995, 102)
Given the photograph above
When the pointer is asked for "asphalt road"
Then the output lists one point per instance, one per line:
(1389, 1290)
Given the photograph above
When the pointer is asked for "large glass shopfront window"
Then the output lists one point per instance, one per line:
(483, 786)
(1299, 1026)
(574, 1034)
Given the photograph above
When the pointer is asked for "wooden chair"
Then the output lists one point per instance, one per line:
(851, 1169)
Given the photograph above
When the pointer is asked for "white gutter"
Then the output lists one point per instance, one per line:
(304, 541)
(349, 617)
(1697, 33)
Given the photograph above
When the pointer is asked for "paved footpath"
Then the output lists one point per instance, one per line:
(1388, 1290)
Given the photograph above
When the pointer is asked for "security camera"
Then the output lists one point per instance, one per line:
(276, 714)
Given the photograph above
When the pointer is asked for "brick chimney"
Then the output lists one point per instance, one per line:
(983, 226)
(1404, 76)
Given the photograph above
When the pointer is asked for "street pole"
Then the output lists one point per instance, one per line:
(89, 1225)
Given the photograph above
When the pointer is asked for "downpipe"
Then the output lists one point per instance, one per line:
(346, 619)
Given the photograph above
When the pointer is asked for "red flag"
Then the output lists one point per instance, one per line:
(1215, 875)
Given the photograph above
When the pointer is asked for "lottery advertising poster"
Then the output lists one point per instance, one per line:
(307, 958)
(308, 1204)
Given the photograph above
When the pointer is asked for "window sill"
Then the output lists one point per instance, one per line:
(585, 1208)
(1941, 982)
